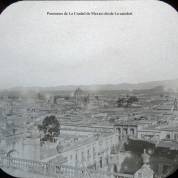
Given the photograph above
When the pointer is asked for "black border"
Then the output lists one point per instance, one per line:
(5, 175)
(5, 3)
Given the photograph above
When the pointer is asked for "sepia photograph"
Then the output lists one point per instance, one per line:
(89, 89)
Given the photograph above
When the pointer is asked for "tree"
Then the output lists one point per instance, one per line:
(126, 102)
(50, 127)
(131, 99)
(120, 102)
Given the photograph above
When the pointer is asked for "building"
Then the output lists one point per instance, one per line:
(93, 151)
(125, 129)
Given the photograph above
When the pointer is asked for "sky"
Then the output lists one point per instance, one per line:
(37, 49)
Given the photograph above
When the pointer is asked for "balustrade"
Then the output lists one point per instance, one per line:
(55, 170)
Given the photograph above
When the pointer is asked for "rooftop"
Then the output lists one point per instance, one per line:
(135, 122)
(168, 144)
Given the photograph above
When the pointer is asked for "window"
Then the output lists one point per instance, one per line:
(118, 130)
(125, 131)
(82, 156)
(76, 157)
(94, 153)
(101, 164)
(175, 136)
(132, 131)
(168, 136)
(115, 168)
(88, 154)
(107, 160)
(70, 157)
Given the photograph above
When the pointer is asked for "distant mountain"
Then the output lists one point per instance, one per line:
(166, 84)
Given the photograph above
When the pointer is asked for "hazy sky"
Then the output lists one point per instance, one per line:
(41, 50)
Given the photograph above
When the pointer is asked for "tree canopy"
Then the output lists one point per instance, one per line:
(50, 126)
(126, 102)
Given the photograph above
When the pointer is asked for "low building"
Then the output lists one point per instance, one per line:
(92, 152)
(125, 129)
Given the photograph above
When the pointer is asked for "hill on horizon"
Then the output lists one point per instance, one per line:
(166, 84)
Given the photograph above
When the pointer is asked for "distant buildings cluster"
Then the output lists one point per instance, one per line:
(94, 128)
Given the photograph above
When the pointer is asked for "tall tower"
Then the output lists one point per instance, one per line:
(81, 97)
(175, 107)
(78, 96)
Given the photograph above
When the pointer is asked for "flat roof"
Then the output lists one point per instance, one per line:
(135, 123)
(168, 144)
(158, 128)
(83, 142)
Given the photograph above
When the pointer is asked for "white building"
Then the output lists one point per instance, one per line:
(93, 151)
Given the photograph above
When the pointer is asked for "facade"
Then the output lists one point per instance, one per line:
(131, 128)
(158, 134)
(92, 152)
(126, 130)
